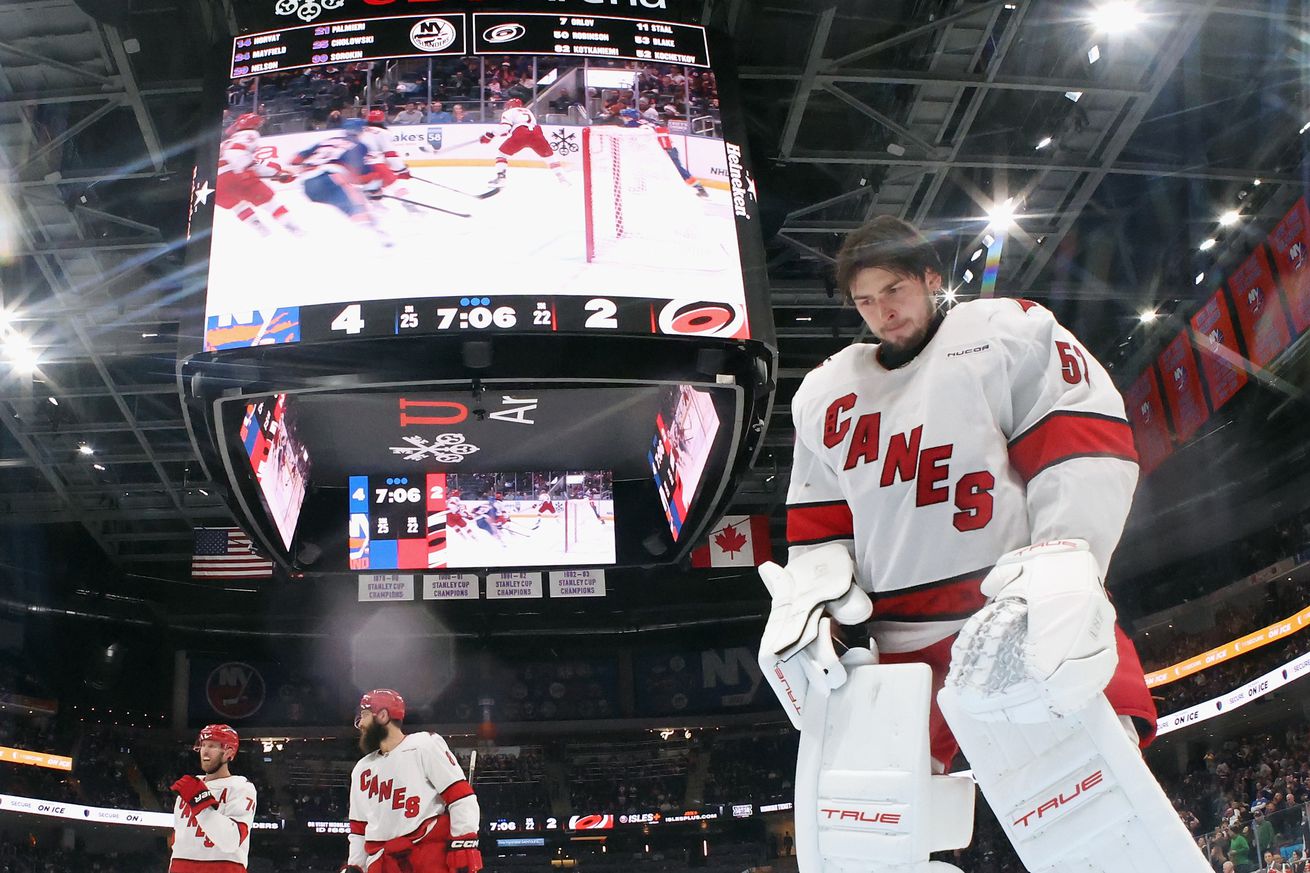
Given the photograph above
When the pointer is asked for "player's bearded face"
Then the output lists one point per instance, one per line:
(371, 736)
(898, 308)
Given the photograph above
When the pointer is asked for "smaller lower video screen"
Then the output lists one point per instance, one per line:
(436, 520)
(279, 460)
(685, 428)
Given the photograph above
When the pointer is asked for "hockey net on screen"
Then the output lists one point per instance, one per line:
(581, 526)
(639, 209)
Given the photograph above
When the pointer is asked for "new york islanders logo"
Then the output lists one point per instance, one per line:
(235, 690)
(1145, 411)
(1255, 300)
(1180, 375)
(1215, 339)
(1297, 254)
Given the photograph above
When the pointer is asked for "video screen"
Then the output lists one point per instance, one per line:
(481, 187)
(685, 428)
(279, 460)
(428, 521)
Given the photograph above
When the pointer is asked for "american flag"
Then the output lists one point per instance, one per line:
(225, 553)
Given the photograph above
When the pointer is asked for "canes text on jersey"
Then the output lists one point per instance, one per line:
(905, 459)
(383, 792)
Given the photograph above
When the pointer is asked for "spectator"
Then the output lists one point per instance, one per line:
(409, 115)
(437, 114)
(458, 115)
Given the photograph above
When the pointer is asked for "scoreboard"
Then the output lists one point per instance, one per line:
(558, 274)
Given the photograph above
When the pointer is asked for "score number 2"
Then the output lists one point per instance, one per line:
(602, 314)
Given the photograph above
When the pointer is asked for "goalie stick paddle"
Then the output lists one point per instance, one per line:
(490, 192)
(425, 205)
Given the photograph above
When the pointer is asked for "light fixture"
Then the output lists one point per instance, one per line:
(1001, 216)
(1043, 143)
(1146, 316)
(1075, 96)
(85, 449)
(1200, 277)
(149, 335)
(976, 256)
(1304, 127)
(968, 275)
(949, 295)
(1229, 218)
(1118, 16)
(1207, 244)
(100, 467)
(203, 491)
(25, 359)
(52, 401)
(1255, 182)
(1093, 54)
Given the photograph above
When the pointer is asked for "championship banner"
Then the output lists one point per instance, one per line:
(35, 759)
(1238, 697)
(507, 586)
(450, 586)
(1259, 308)
(1241, 645)
(1290, 242)
(577, 583)
(1183, 390)
(375, 587)
(1216, 341)
(1146, 415)
(736, 541)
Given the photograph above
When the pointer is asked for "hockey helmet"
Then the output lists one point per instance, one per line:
(218, 733)
(379, 699)
(376, 116)
(630, 113)
(248, 121)
(352, 125)
(500, 496)
(513, 103)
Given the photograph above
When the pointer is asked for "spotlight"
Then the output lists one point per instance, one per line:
(1116, 17)
(1146, 316)
(1229, 218)
(1207, 244)
(1045, 141)
(1002, 215)
(1200, 277)
(85, 449)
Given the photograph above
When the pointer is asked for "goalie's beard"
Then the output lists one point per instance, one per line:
(371, 737)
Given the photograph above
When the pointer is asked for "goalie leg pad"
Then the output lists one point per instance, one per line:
(866, 799)
(1073, 793)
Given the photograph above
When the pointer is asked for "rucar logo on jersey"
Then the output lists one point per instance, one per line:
(388, 792)
(905, 459)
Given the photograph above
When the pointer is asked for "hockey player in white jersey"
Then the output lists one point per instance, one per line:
(213, 812)
(961, 486)
(411, 809)
(520, 128)
(243, 176)
(385, 170)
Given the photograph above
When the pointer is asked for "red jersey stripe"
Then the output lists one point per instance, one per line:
(457, 791)
(812, 523)
(954, 598)
(357, 827)
(1065, 435)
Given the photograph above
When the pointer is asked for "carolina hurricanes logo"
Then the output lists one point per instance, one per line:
(1255, 300)
(1297, 254)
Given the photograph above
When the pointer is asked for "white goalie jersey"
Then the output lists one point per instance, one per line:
(1024, 440)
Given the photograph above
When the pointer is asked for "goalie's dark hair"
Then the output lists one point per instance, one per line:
(887, 242)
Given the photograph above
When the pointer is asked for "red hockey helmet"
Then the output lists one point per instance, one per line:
(249, 121)
(513, 103)
(218, 733)
(379, 699)
(500, 496)
(376, 116)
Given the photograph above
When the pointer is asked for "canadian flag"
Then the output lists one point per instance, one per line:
(736, 541)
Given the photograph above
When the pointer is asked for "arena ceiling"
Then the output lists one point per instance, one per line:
(1118, 152)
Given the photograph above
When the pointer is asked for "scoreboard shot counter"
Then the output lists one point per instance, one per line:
(485, 285)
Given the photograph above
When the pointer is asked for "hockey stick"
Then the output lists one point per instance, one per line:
(424, 205)
(483, 196)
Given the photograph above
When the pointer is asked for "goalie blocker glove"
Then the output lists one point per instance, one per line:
(194, 794)
(463, 855)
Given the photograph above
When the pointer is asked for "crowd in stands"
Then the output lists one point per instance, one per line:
(752, 769)
(456, 90)
(39, 857)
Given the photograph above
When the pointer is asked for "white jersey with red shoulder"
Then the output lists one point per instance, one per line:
(216, 840)
(518, 117)
(1003, 431)
(240, 152)
(381, 145)
(397, 797)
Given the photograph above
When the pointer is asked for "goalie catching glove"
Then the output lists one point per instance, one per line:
(462, 854)
(1045, 645)
(195, 795)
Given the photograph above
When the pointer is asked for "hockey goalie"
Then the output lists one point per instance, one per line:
(960, 486)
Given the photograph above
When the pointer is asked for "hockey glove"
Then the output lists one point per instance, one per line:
(462, 854)
(405, 174)
(194, 794)
(1046, 645)
(486, 138)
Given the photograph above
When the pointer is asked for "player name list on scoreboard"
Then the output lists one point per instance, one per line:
(589, 36)
(346, 42)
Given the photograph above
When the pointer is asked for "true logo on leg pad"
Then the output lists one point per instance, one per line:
(864, 817)
(1030, 817)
